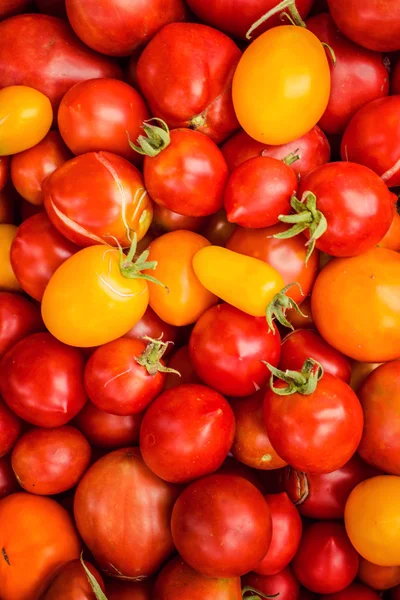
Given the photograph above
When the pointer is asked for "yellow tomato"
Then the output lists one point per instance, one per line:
(89, 302)
(372, 519)
(8, 281)
(281, 85)
(26, 116)
(186, 299)
(242, 281)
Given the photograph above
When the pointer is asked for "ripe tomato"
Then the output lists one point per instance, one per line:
(360, 372)
(8, 281)
(356, 591)
(379, 578)
(10, 429)
(394, 594)
(284, 585)
(303, 320)
(217, 543)
(8, 481)
(35, 531)
(115, 502)
(165, 220)
(18, 318)
(151, 325)
(129, 590)
(181, 362)
(71, 583)
(104, 430)
(196, 93)
(12, 7)
(41, 380)
(367, 331)
(391, 241)
(4, 164)
(269, 103)
(218, 230)
(233, 467)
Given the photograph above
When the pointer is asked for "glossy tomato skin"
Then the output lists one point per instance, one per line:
(18, 318)
(10, 429)
(196, 94)
(38, 530)
(218, 230)
(283, 583)
(227, 347)
(71, 583)
(129, 590)
(104, 430)
(4, 167)
(151, 325)
(355, 591)
(165, 220)
(42, 380)
(181, 362)
(378, 578)
(114, 502)
(391, 241)
(8, 481)
(325, 562)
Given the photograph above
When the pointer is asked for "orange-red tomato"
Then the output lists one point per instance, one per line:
(8, 281)
(379, 578)
(391, 240)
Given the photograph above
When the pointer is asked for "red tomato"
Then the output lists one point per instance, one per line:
(195, 93)
(391, 241)
(356, 591)
(123, 511)
(104, 430)
(4, 162)
(216, 542)
(227, 347)
(8, 481)
(151, 325)
(18, 318)
(41, 380)
(42, 52)
(129, 590)
(233, 467)
(325, 562)
(56, 8)
(186, 433)
(218, 230)
(165, 220)
(10, 429)
(12, 7)
(72, 583)
(284, 584)
(306, 594)
(180, 361)
(377, 577)
(36, 253)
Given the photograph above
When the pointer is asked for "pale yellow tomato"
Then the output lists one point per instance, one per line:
(8, 281)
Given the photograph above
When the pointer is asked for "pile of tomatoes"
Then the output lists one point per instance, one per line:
(199, 299)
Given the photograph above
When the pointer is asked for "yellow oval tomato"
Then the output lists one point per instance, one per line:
(8, 281)
(89, 302)
(281, 85)
(372, 519)
(245, 282)
(26, 116)
(186, 299)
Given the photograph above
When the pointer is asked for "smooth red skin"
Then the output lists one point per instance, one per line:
(10, 429)
(8, 481)
(87, 191)
(358, 77)
(165, 220)
(116, 383)
(123, 511)
(129, 590)
(152, 326)
(259, 191)
(218, 230)
(283, 583)
(41, 380)
(315, 433)
(18, 318)
(188, 176)
(4, 163)
(30, 168)
(104, 430)
(50, 461)
(356, 591)
(325, 562)
(372, 138)
(71, 583)
(181, 362)
(306, 343)
(191, 88)
(186, 433)
(12, 7)
(313, 149)
(56, 8)
(43, 52)
(216, 542)
(227, 346)
(356, 203)
(37, 251)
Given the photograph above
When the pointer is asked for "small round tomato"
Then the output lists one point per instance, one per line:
(152, 326)
(379, 578)
(4, 163)
(18, 318)
(360, 372)
(25, 118)
(181, 362)
(391, 241)
(233, 467)
(283, 585)
(8, 481)
(356, 591)
(8, 280)
(165, 220)
(218, 230)
(303, 320)
(71, 581)
(104, 430)
(10, 429)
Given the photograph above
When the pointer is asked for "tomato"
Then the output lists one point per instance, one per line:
(284, 584)
(104, 430)
(18, 318)
(42, 52)
(218, 230)
(391, 241)
(372, 520)
(8, 281)
(127, 590)
(213, 541)
(115, 502)
(12, 7)
(10, 429)
(196, 93)
(181, 362)
(38, 532)
(8, 481)
(4, 163)
(71, 583)
(186, 298)
(37, 251)
(165, 220)
(303, 320)
(233, 467)
(7, 205)
(306, 594)
(52, 7)
(324, 495)
(379, 578)
(41, 380)
(151, 325)
(357, 77)
(269, 103)
(394, 594)
(356, 591)
(360, 372)
(98, 197)
(367, 331)
(316, 424)
(99, 115)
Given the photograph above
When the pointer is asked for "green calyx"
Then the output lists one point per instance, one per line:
(157, 138)
(279, 305)
(94, 584)
(249, 593)
(151, 357)
(298, 382)
(133, 269)
(291, 158)
(293, 15)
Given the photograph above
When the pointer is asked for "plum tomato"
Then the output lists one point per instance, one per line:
(356, 591)
(8, 481)
(72, 580)
(10, 429)
(104, 430)
(18, 318)
(8, 280)
(283, 585)
(378, 578)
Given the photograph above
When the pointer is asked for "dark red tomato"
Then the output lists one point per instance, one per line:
(101, 115)
(41, 380)
(26, 209)
(325, 562)
(357, 77)
(10, 429)
(357, 591)
(8, 481)
(104, 430)
(372, 138)
(186, 433)
(215, 541)
(304, 320)
(42, 52)
(180, 361)
(259, 191)
(124, 376)
(123, 512)
(306, 594)
(18, 318)
(152, 326)
(286, 256)
(129, 590)
(7, 206)
(304, 343)
(284, 584)
(195, 93)
(72, 583)
(378, 577)
(56, 8)
(251, 445)
(12, 7)
(312, 149)
(324, 496)
(36, 253)
(165, 220)
(227, 347)
(4, 162)
(30, 168)
(218, 230)
(233, 467)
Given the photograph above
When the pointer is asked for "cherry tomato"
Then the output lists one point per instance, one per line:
(72, 580)
(303, 320)
(360, 372)
(8, 481)
(165, 220)
(180, 361)
(10, 429)
(4, 163)
(283, 583)
(104, 430)
(218, 230)
(8, 281)
(151, 325)
(18, 318)
(379, 578)
(233, 467)
(356, 591)
(391, 241)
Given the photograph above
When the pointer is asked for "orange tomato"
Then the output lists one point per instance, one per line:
(379, 578)
(391, 240)
(8, 281)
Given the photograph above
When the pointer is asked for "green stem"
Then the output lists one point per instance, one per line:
(279, 305)
(298, 382)
(151, 357)
(285, 4)
(291, 158)
(155, 141)
(133, 269)
(331, 52)
(256, 594)
(98, 592)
